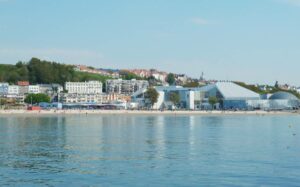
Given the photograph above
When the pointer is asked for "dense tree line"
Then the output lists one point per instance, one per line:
(38, 71)
(36, 98)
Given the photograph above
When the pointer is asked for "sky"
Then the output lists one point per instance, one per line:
(255, 41)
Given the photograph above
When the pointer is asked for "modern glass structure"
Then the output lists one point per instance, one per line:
(230, 95)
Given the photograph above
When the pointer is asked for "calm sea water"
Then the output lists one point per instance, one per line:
(120, 150)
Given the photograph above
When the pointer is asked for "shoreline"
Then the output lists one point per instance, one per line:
(141, 112)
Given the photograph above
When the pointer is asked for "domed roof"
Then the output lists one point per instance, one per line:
(283, 96)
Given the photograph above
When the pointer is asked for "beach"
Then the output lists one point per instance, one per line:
(142, 112)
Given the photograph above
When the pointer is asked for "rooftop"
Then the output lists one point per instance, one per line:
(283, 96)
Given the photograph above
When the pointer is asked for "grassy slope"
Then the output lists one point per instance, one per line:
(272, 90)
(83, 76)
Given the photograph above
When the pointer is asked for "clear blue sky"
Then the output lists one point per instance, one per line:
(257, 41)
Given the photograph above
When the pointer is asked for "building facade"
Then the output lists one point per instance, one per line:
(90, 87)
(13, 90)
(3, 88)
(92, 98)
(229, 96)
(50, 89)
(125, 87)
(80, 98)
(187, 98)
(33, 89)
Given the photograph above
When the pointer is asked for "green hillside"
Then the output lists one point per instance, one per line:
(271, 89)
(37, 71)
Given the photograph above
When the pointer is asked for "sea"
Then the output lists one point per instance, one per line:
(149, 150)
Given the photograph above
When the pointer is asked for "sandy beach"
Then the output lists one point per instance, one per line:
(143, 112)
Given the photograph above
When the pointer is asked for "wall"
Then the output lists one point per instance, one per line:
(160, 100)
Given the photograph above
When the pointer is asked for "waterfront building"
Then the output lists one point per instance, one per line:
(14, 94)
(3, 88)
(13, 90)
(233, 96)
(80, 98)
(50, 89)
(230, 96)
(92, 98)
(125, 87)
(90, 87)
(114, 97)
(33, 89)
(284, 100)
(186, 95)
(54, 105)
(277, 101)
(23, 87)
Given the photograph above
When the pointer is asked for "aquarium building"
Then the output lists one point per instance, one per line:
(230, 95)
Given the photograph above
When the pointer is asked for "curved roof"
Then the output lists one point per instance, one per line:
(283, 96)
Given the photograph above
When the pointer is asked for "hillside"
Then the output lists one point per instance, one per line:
(271, 89)
(37, 71)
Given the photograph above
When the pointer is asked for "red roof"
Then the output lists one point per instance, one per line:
(23, 83)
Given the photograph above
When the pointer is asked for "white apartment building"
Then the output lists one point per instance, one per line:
(90, 87)
(92, 98)
(3, 88)
(13, 90)
(80, 98)
(33, 89)
(160, 76)
(125, 87)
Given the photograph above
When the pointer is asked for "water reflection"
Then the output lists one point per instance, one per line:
(135, 150)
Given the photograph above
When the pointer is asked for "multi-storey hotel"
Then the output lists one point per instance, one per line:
(90, 87)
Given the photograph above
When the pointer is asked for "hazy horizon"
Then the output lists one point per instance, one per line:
(251, 41)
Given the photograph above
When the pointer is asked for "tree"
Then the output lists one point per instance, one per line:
(152, 95)
(2, 101)
(170, 79)
(38, 71)
(174, 98)
(36, 98)
(128, 75)
(213, 100)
